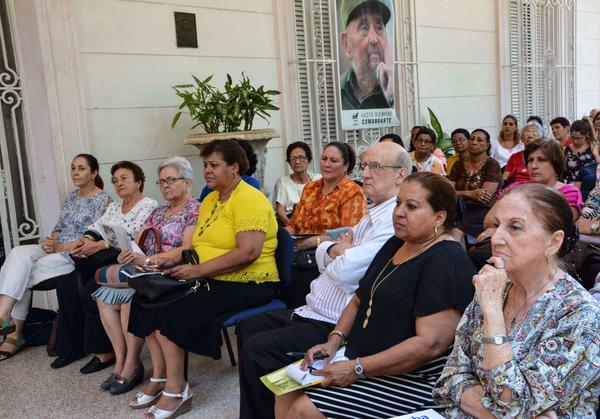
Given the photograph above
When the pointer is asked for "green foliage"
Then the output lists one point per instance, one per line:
(214, 110)
(444, 142)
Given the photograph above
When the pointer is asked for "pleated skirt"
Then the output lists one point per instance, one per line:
(381, 397)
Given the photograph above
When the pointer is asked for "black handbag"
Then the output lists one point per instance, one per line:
(157, 291)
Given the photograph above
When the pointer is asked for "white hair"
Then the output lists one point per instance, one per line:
(182, 165)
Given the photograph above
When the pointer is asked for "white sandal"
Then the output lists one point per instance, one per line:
(143, 400)
(183, 407)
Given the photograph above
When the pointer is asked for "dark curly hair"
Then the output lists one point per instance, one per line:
(298, 144)
(138, 173)
(230, 150)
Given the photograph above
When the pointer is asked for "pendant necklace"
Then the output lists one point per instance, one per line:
(513, 321)
(378, 282)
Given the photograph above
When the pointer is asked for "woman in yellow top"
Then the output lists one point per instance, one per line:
(235, 239)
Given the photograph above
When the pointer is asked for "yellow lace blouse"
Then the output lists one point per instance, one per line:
(247, 209)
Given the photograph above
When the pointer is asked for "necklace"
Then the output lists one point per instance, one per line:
(225, 196)
(513, 321)
(473, 169)
(126, 208)
(378, 282)
(212, 217)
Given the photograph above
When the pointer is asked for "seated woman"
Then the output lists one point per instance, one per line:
(516, 168)
(400, 323)
(28, 265)
(173, 223)
(80, 327)
(288, 188)
(422, 156)
(589, 223)
(235, 240)
(330, 202)
(460, 141)
(476, 179)
(508, 142)
(527, 346)
(582, 151)
(246, 177)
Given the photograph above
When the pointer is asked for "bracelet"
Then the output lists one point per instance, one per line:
(148, 261)
(89, 237)
(106, 245)
(338, 333)
(318, 240)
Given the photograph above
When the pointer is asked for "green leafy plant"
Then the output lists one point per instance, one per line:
(444, 142)
(215, 110)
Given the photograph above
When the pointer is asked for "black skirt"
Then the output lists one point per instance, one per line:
(194, 323)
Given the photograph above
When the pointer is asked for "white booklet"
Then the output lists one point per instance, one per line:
(117, 237)
(421, 414)
(305, 377)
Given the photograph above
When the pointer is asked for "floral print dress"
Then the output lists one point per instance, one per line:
(556, 363)
(575, 162)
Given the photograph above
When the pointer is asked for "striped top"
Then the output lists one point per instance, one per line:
(331, 291)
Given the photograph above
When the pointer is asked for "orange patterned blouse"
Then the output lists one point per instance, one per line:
(342, 207)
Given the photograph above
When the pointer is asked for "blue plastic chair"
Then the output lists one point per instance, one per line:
(284, 256)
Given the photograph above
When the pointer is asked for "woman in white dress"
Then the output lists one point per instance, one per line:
(288, 188)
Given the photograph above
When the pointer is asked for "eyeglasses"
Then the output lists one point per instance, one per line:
(374, 167)
(168, 181)
(298, 158)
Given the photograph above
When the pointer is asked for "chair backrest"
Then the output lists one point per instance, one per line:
(284, 256)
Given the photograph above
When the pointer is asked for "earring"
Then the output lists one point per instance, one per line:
(435, 231)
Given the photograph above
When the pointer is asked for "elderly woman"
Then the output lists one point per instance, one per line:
(79, 315)
(28, 265)
(476, 178)
(172, 223)
(508, 141)
(330, 202)
(422, 156)
(235, 240)
(460, 141)
(288, 188)
(516, 168)
(527, 346)
(581, 152)
(400, 323)
(247, 176)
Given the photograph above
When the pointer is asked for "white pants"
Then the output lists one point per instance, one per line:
(25, 267)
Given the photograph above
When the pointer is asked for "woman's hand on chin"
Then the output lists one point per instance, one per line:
(490, 284)
(184, 272)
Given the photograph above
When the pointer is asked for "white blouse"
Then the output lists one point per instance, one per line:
(132, 221)
(288, 193)
(501, 154)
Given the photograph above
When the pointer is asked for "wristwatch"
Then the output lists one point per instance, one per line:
(595, 227)
(359, 369)
(495, 340)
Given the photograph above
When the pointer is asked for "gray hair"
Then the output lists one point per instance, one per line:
(535, 125)
(182, 165)
(403, 160)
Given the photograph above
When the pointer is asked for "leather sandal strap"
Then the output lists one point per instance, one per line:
(174, 395)
(158, 380)
(11, 341)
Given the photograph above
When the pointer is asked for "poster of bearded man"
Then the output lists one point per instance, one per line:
(365, 56)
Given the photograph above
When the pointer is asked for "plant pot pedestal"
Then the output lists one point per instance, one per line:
(258, 138)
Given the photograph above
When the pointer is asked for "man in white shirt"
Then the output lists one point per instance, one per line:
(263, 340)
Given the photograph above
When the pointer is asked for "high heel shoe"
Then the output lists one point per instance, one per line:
(123, 385)
(183, 407)
(143, 400)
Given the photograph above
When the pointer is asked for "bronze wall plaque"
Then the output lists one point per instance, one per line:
(185, 30)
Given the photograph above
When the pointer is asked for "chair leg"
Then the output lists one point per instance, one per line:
(228, 344)
(185, 365)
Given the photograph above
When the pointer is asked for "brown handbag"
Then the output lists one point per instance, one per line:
(154, 231)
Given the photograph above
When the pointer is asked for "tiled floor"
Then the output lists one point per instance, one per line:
(29, 388)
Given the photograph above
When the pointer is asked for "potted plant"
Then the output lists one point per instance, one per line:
(224, 111)
(228, 113)
(444, 142)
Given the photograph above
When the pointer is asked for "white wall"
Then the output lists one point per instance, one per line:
(588, 55)
(129, 61)
(457, 56)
